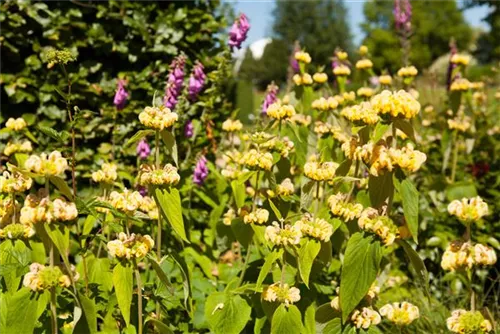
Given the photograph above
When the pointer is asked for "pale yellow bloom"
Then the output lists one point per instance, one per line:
(468, 322)
(41, 277)
(385, 80)
(460, 84)
(461, 123)
(365, 318)
(11, 148)
(320, 77)
(460, 59)
(301, 119)
(458, 255)
(288, 235)
(107, 173)
(365, 92)
(232, 126)
(17, 231)
(383, 226)
(340, 207)
(14, 182)
(257, 160)
(131, 246)
(40, 209)
(363, 49)
(315, 227)
(484, 255)
(280, 111)
(17, 124)
(43, 164)
(468, 209)
(342, 71)
(364, 64)
(126, 201)
(320, 171)
(285, 188)
(228, 217)
(341, 55)
(409, 71)
(304, 79)
(303, 57)
(396, 104)
(166, 176)
(401, 314)
(158, 118)
(259, 216)
(281, 293)
(361, 112)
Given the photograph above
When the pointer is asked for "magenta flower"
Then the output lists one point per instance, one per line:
(200, 171)
(121, 95)
(143, 150)
(271, 97)
(189, 129)
(174, 82)
(451, 66)
(294, 64)
(402, 15)
(196, 80)
(239, 31)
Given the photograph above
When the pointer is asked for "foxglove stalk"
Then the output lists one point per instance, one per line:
(200, 171)
(402, 15)
(451, 66)
(121, 95)
(143, 150)
(294, 64)
(271, 97)
(239, 31)
(189, 129)
(196, 80)
(174, 82)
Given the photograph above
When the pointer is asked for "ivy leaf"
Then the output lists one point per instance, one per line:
(267, 266)
(286, 320)
(169, 202)
(123, 283)
(307, 254)
(226, 313)
(62, 186)
(169, 140)
(418, 265)
(138, 136)
(361, 265)
(409, 196)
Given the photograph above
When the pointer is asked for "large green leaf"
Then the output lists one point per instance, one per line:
(159, 271)
(138, 136)
(379, 131)
(243, 232)
(62, 186)
(409, 196)
(169, 202)
(18, 313)
(307, 194)
(307, 254)
(380, 188)
(459, 190)
(169, 140)
(124, 284)
(266, 267)
(88, 323)
(286, 320)
(226, 313)
(334, 326)
(309, 319)
(238, 192)
(406, 127)
(59, 234)
(361, 265)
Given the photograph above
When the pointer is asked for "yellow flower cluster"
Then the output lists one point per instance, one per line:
(232, 126)
(346, 96)
(14, 182)
(283, 146)
(43, 164)
(479, 97)
(127, 247)
(401, 314)
(257, 160)
(365, 92)
(11, 148)
(166, 176)
(365, 318)
(342, 71)
(259, 216)
(364, 64)
(16, 124)
(460, 59)
(289, 235)
(363, 50)
(393, 281)
(460, 255)
(280, 111)
(400, 103)
(304, 79)
(228, 217)
(281, 293)
(7, 210)
(468, 322)
(158, 118)
(107, 173)
(468, 209)
(341, 55)
(40, 209)
(407, 158)
(315, 227)
(285, 188)
(301, 119)
(340, 207)
(383, 226)
(127, 201)
(320, 171)
(41, 278)
(409, 71)
(320, 77)
(361, 112)
(17, 231)
(148, 205)
(460, 85)
(477, 85)
(385, 80)
(303, 57)
(461, 124)
(353, 151)
(325, 104)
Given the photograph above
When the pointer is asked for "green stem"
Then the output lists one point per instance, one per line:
(53, 310)
(283, 267)
(455, 157)
(394, 137)
(245, 265)
(139, 298)
(157, 149)
(317, 198)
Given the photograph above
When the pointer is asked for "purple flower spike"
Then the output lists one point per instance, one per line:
(402, 16)
(196, 80)
(294, 64)
(189, 129)
(271, 97)
(239, 31)
(174, 82)
(200, 171)
(143, 150)
(121, 95)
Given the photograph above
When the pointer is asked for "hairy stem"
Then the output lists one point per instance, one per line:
(139, 298)
(455, 157)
